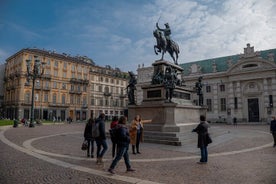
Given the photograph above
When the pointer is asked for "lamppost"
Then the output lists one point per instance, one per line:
(33, 74)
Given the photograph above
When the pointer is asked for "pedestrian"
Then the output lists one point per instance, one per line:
(235, 121)
(273, 129)
(113, 125)
(88, 137)
(136, 133)
(203, 136)
(122, 140)
(101, 139)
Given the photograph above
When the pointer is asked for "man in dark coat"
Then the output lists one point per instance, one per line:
(101, 139)
(88, 137)
(273, 129)
(203, 138)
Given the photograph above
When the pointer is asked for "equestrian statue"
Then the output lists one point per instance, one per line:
(165, 43)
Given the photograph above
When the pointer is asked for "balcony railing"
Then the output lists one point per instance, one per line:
(79, 81)
(107, 94)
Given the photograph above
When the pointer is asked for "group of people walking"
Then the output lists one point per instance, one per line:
(121, 137)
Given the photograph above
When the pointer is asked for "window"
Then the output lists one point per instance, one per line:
(92, 101)
(222, 87)
(100, 88)
(64, 65)
(101, 102)
(270, 101)
(64, 74)
(63, 99)
(79, 69)
(73, 68)
(46, 97)
(235, 103)
(106, 80)
(106, 89)
(208, 89)
(54, 85)
(223, 104)
(72, 87)
(84, 101)
(63, 86)
(78, 100)
(54, 98)
(47, 85)
(209, 104)
(71, 99)
(48, 62)
(84, 88)
(106, 102)
(56, 64)
(55, 73)
(79, 88)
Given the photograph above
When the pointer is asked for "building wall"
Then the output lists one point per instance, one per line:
(70, 87)
(241, 86)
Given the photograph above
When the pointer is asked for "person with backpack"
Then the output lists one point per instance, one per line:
(89, 138)
(121, 134)
(100, 137)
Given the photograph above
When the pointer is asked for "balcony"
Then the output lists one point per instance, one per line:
(64, 105)
(79, 81)
(107, 94)
(123, 95)
(46, 88)
(75, 92)
(46, 76)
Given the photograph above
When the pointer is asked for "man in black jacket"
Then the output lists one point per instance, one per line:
(101, 139)
(273, 129)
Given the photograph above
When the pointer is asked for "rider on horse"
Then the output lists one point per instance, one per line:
(166, 31)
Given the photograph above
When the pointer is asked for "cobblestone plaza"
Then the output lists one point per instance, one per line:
(52, 154)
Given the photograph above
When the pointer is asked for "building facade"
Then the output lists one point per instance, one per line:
(241, 86)
(69, 87)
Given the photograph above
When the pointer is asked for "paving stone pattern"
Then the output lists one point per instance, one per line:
(253, 167)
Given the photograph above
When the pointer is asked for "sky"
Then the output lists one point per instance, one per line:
(119, 33)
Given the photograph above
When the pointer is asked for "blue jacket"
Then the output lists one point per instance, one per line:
(122, 135)
(101, 128)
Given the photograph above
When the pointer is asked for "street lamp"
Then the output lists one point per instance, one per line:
(33, 74)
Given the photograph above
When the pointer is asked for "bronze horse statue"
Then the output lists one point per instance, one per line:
(163, 46)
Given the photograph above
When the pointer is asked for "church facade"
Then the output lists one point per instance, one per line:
(240, 86)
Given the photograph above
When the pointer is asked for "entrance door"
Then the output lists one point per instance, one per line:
(253, 110)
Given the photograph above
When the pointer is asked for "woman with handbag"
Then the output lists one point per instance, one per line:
(203, 139)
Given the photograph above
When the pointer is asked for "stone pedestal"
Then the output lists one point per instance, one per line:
(170, 120)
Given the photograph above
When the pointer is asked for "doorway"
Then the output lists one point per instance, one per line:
(253, 110)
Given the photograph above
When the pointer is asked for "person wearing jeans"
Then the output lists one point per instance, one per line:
(101, 139)
(122, 140)
(202, 131)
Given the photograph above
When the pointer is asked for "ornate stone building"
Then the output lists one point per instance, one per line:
(70, 87)
(241, 86)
